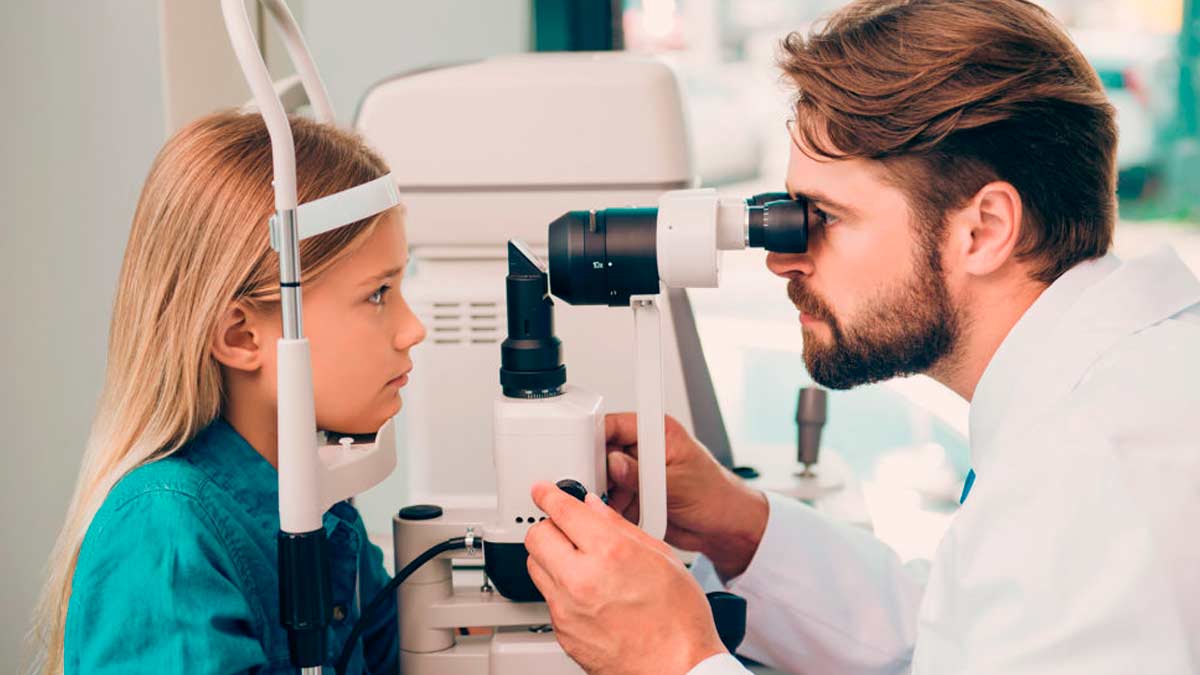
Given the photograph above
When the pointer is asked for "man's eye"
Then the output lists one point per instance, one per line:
(377, 297)
(823, 218)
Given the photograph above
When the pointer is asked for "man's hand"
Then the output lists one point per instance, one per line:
(709, 509)
(620, 601)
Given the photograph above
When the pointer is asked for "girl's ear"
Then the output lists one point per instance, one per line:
(237, 340)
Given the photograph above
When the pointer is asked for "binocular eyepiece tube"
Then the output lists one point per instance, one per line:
(605, 257)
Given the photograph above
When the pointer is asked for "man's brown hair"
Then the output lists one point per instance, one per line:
(952, 94)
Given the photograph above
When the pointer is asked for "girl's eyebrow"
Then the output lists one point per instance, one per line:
(386, 274)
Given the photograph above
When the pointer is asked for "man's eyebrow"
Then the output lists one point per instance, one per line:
(820, 198)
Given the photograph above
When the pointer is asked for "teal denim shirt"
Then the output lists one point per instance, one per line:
(177, 572)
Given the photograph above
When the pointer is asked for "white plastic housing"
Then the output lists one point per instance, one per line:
(300, 508)
(350, 470)
(490, 151)
(693, 227)
(546, 439)
(652, 441)
(687, 239)
(523, 651)
(312, 478)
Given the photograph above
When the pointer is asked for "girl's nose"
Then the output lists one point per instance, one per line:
(411, 331)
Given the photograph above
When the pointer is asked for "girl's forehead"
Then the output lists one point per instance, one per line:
(384, 250)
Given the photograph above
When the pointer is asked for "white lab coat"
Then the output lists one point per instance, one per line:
(1078, 549)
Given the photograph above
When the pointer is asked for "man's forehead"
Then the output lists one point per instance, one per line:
(838, 179)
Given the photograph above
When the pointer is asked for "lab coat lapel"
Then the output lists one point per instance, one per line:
(1134, 295)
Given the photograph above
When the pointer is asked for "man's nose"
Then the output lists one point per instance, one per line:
(789, 264)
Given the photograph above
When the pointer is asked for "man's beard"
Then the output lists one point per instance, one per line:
(902, 332)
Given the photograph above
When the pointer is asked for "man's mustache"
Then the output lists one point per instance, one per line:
(807, 302)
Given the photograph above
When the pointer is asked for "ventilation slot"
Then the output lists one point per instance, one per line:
(463, 323)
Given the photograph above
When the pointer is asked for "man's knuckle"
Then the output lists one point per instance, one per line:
(581, 586)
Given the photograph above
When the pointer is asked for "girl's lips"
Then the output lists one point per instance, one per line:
(398, 381)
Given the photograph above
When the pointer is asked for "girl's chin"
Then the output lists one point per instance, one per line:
(367, 426)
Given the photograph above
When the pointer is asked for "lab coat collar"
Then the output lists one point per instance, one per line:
(1074, 321)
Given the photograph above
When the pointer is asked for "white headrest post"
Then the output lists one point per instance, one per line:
(329, 212)
(283, 152)
(297, 50)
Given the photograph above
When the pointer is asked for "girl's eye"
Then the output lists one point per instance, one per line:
(377, 297)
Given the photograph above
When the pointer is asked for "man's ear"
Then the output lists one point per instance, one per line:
(237, 341)
(986, 230)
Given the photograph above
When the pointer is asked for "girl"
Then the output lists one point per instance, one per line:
(167, 561)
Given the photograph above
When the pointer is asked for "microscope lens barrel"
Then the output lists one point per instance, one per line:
(604, 257)
(531, 364)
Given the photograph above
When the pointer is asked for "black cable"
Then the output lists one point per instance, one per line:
(380, 599)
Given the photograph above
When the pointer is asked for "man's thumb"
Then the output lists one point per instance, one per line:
(622, 470)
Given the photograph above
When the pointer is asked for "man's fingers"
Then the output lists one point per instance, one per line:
(552, 549)
(621, 429)
(541, 578)
(620, 499)
(621, 432)
(580, 524)
(605, 511)
(623, 470)
(633, 511)
(620, 524)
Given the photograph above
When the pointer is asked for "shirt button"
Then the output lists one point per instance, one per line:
(339, 613)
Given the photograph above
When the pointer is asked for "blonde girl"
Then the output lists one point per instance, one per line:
(167, 560)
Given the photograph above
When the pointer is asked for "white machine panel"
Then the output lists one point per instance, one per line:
(496, 150)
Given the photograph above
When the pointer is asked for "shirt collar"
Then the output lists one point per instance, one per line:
(232, 463)
(1000, 380)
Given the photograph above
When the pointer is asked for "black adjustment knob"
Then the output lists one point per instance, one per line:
(573, 488)
(420, 512)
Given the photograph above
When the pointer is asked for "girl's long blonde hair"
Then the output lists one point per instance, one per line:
(198, 243)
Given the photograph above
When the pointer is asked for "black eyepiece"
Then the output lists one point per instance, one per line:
(778, 225)
(766, 197)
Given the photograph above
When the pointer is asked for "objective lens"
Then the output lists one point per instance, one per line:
(604, 257)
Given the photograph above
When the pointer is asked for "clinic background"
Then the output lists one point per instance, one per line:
(92, 89)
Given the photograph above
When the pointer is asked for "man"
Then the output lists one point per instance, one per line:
(960, 158)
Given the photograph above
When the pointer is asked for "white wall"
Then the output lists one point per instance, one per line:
(358, 44)
(82, 119)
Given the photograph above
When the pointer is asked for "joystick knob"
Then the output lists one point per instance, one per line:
(573, 488)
